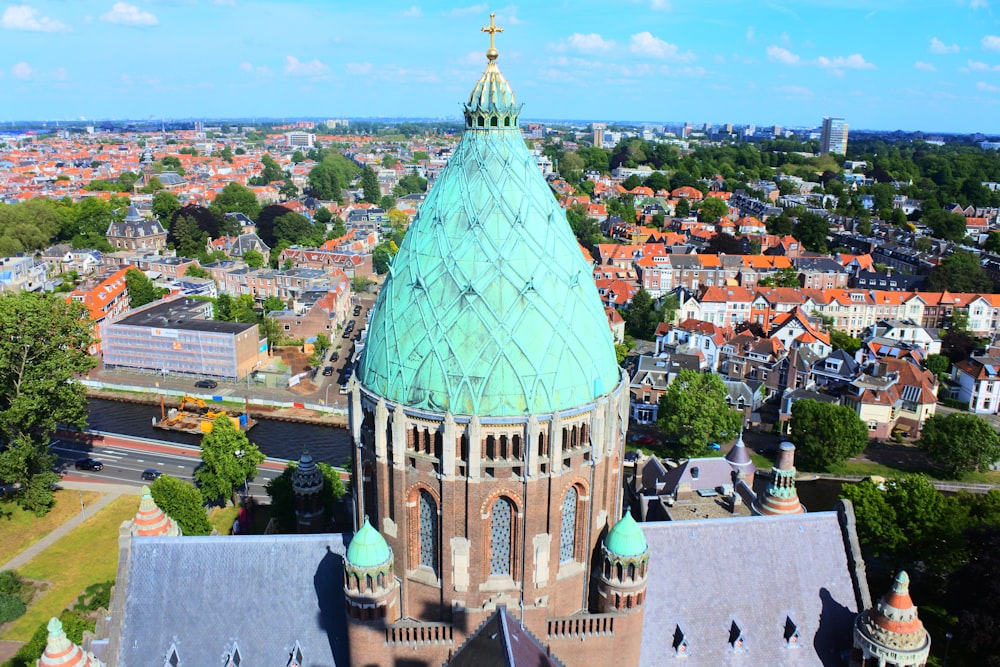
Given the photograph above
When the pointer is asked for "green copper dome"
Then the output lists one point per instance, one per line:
(490, 307)
(368, 548)
(626, 538)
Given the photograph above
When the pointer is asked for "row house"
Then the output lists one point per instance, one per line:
(298, 280)
(22, 274)
(896, 395)
(351, 264)
(749, 357)
(258, 283)
(650, 381)
(906, 331)
(63, 258)
(237, 246)
(218, 269)
(316, 311)
(168, 267)
(692, 337)
(106, 299)
(977, 384)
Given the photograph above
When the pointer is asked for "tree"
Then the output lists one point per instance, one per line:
(937, 364)
(288, 190)
(844, 341)
(236, 198)
(298, 157)
(273, 303)
(992, 243)
(322, 215)
(877, 524)
(786, 277)
(712, 209)
(974, 590)
(283, 497)
(945, 225)
(296, 229)
(44, 345)
(959, 272)
(253, 258)
(826, 433)
(387, 202)
(165, 204)
(224, 308)
(196, 271)
(683, 208)
(141, 289)
(228, 460)
(324, 182)
(960, 443)
(725, 244)
(641, 317)
(361, 283)
(811, 230)
(694, 412)
(370, 186)
(182, 502)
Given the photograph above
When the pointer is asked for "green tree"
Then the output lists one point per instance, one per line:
(682, 208)
(236, 198)
(937, 364)
(877, 523)
(826, 433)
(960, 443)
(322, 215)
(409, 184)
(370, 186)
(641, 317)
(844, 341)
(361, 283)
(712, 209)
(945, 225)
(283, 497)
(621, 353)
(224, 308)
(298, 157)
(296, 229)
(226, 153)
(959, 272)
(694, 413)
(288, 190)
(182, 502)
(165, 204)
(44, 345)
(992, 243)
(273, 303)
(387, 202)
(228, 460)
(324, 182)
(253, 258)
(141, 289)
(811, 229)
(196, 271)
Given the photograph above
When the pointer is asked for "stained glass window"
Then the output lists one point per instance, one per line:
(428, 531)
(567, 536)
(502, 516)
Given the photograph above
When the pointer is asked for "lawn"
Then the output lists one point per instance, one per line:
(23, 529)
(86, 556)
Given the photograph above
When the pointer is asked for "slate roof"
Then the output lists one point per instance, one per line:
(502, 641)
(267, 592)
(777, 569)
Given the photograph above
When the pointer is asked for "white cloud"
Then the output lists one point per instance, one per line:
(25, 17)
(979, 4)
(645, 44)
(296, 67)
(991, 43)
(660, 5)
(358, 68)
(751, 32)
(589, 43)
(22, 70)
(123, 13)
(976, 66)
(799, 91)
(989, 88)
(839, 63)
(413, 12)
(246, 67)
(468, 11)
(777, 54)
(924, 67)
(940, 48)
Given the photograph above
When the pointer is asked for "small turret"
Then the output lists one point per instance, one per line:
(739, 459)
(781, 496)
(369, 579)
(891, 632)
(151, 521)
(307, 486)
(61, 652)
(623, 570)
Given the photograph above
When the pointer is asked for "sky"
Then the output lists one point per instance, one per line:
(930, 65)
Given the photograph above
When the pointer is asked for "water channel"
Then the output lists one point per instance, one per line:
(278, 439)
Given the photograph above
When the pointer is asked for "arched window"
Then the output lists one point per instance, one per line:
(428, 530)
(501, 537)
(567, 536)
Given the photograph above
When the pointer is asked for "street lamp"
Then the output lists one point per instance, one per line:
(947, 646)
(246, 491)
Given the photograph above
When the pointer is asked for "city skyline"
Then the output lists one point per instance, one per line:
(889, 65)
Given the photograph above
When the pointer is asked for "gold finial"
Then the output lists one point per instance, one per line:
(493, 29)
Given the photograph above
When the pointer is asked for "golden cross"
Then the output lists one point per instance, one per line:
(493, 29)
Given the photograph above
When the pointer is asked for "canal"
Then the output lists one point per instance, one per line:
(285, 440)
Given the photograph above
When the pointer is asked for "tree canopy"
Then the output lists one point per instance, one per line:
(959, 272)
(370, 186)
(693, 413)
(141, 289)
(283, 497)
(960, 443)
(228, 460)
(44, 345)
(826, 433)
(182, 502)
(235, 198)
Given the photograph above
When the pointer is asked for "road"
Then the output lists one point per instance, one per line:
(125, 458)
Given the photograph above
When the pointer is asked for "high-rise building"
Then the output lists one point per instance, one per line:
(833, 138)
(598, 129)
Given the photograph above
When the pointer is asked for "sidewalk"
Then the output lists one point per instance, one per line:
(110, 491)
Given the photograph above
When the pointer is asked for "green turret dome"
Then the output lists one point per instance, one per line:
(490, 306)
(626, 538)
(368, 548)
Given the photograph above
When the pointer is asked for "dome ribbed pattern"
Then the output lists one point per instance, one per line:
(490, 307)
(492, 92)
(368, 548)
(626, 538)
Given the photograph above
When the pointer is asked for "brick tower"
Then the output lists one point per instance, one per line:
(488, 411)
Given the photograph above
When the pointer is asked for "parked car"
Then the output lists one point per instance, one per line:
(328, 371)
(334, 357)
(714, 446)
(357, 310)
(644, 439)
(151, 474)
(631, 457)
(89, 464)
(206, 384)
